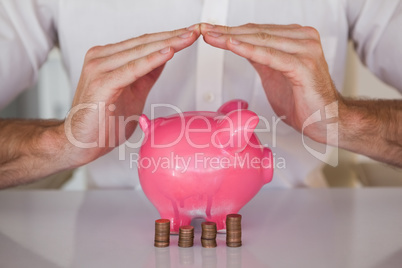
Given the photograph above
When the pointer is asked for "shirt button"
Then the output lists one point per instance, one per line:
(209, 97)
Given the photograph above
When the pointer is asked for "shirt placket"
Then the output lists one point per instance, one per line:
(210, 60)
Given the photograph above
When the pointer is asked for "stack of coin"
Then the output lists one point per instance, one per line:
(162, 233)
(233, 230)
(208, 236)
(186, 236)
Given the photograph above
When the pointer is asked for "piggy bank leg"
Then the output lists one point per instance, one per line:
(177, 216)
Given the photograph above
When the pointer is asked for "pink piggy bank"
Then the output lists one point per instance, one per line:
(203, 164)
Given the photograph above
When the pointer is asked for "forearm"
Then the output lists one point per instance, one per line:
(372, 128)
(30, 149)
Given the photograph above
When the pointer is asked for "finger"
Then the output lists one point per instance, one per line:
(133, 70)
(268, 56)
(290, 31)
(245, 27)
(284, 44)
(118, 59)
(103, 51)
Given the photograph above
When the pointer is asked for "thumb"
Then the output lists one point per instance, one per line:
(154, 74)
(146, 82)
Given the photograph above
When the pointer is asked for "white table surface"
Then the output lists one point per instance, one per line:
(281, 228)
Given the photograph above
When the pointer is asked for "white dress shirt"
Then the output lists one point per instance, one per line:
(200, 77)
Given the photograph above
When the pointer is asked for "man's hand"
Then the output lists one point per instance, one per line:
(290, 61)
(296, 80)
(115, 81)
(114, 84)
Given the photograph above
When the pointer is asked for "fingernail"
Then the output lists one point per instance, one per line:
(208, 25)
(234, 41)
(186, 35)
(165, 50)
(192, 27)
(214, 34)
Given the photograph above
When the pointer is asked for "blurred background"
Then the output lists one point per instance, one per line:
(50, 97)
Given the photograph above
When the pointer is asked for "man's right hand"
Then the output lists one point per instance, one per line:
(114, 85)
(117, 78)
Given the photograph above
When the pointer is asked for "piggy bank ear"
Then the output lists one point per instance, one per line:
(235, 129)
(145, 123)
(232, 105)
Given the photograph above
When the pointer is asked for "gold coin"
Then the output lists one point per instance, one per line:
(186, 236)
(234, 245)
(162, 233)
(208, 243)
(186, 227)
(185, 245)
(208, 224)
(161, 244)
(233, 216)
(162, 221)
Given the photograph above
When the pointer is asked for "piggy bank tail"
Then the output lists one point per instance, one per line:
(267, 165)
